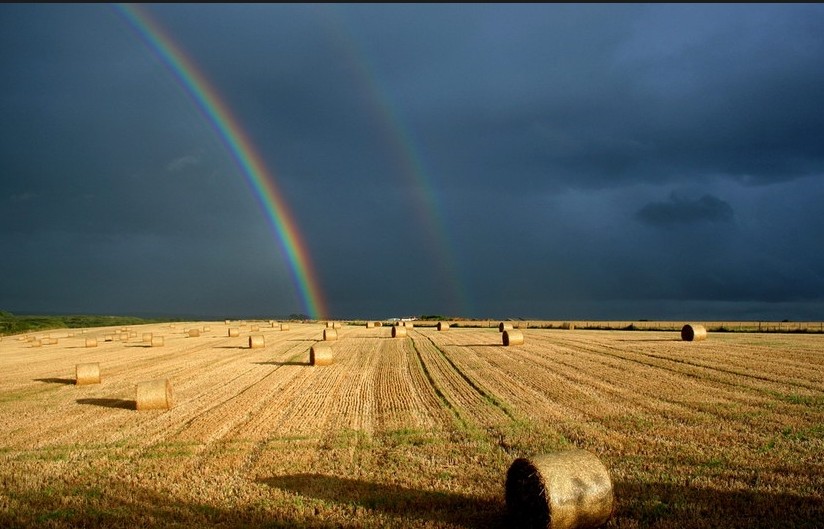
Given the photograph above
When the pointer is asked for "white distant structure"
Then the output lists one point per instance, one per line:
(408, 318)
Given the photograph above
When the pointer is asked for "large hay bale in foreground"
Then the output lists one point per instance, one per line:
(398, 332)
(91, 342)
(513, 337)
(256, 342)
(690, 333)
(320, 355)
(443, 326)
(234, 332)
(504, 326)
(87, 374)
(157, 341)
(569, 489)
(154, 395)
(330, 334)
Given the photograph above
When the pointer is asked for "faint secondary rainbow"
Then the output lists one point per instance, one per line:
(242, 149)
(407, 155)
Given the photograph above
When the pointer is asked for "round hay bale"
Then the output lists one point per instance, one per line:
(255, 328)
(206, 328)
(409, 325)
(330, 334)
(157, 341)
(690, 333)
(513, 337)
(284, 326)
(378, 324)
(154, 395)
(147, 337)
(234, 332)
(87, 374)
(320, 355)
(36, 343)
(336, 325)
(108, 338)
(443, 326)
(560, 490)
(256, 342)
(569, 326)
(504, 326)
(399, 332)
(227, 322)
(194, 333)
(329, 325)
(91, 342)
(370, 324)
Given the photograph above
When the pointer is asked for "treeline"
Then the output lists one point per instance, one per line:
(13, 324)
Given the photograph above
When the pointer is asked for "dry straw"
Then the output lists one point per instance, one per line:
(443, 326)
(157, 341)
(330, 334)
(690, 333)
(87, 374)
(284, 326)
(233, 332)
(91, 342)
(194, 333)
(320, 355)
(513, 337)
(398, 332)
(503, 326)
(154, 395)
(256, 342)
(560, 490)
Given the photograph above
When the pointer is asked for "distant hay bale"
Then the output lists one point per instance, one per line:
(87, 374)
(284, 326)
(336, 325)
(513, 337)
(108, 338)
(233, 332)
(370, 324)
(157, 341)
(409, 325)
(255, 328)
(91, 342)
(320, 355)
(154, 395)
(504, 326)
(568, 325)
(194, 333)
(399, 332)
(443, 326)
(36, 343)
(330, 334)
(227, 322)
(329, 325)
(147, 337)
(378, 324)
(690, 333)
(559, 490)
(256, 342)
(206, 328)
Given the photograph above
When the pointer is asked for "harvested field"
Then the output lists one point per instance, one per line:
(414, 432)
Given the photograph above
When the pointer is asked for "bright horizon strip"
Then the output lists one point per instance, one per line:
(242, 150)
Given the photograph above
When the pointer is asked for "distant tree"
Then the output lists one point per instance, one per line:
(299, 317)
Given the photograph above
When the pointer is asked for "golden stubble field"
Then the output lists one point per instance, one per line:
(408, 432)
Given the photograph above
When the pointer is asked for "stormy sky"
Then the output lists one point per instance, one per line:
(535, 161)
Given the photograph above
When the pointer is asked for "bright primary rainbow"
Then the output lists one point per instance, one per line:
(241, 148)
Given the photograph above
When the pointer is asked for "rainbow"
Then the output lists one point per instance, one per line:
(241, 148)
(408, 157)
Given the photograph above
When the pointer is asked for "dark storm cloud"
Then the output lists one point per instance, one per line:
(484, 159)
(683, 210)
